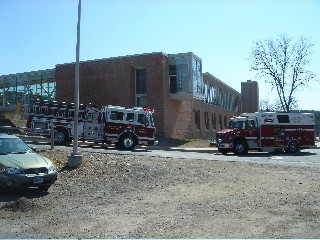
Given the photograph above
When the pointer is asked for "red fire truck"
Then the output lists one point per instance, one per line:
(121, 126)
(267, 132)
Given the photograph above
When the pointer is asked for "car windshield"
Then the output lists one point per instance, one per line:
(13, 145)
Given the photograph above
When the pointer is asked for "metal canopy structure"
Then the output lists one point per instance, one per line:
(25, 87)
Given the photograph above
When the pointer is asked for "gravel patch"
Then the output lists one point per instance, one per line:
(130, 196)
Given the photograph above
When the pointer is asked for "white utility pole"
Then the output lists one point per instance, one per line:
(75, 159)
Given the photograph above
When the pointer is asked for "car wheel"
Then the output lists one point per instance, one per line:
(240, 148)
(127, 142)
(293, 147)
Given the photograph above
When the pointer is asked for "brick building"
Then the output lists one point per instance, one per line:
(250, 96)
(187, 102)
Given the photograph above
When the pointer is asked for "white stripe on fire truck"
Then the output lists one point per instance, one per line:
(111, 135)
(300, 129)
(145, 138)
(251, 138)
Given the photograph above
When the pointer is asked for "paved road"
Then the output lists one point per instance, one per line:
(305, 158)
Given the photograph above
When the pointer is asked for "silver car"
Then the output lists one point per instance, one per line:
(20, 166)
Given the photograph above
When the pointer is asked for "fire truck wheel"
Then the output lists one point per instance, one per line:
(127, 142)
(60, 137)
(240, 147)
(293, 147)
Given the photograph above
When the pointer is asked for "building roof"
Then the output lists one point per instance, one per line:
(119, 57)
(221, 83)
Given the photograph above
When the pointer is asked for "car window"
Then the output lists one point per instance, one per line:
(13, 145)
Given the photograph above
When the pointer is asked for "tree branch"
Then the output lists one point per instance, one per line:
(283, 64)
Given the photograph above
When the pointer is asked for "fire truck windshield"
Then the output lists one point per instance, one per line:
(235, 124)
(146, 119)
(151, 119)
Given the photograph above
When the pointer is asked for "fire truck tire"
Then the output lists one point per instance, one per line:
(223, 151)
(293, 147)
(127, 142)
(240, 148)
(60, 137)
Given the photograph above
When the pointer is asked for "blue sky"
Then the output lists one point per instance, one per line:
(38, 34)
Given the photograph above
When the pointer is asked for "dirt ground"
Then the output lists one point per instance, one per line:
(129, 196)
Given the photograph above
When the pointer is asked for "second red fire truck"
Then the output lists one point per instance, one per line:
(267, 132)
(124, 127)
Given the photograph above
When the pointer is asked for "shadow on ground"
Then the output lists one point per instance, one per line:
(7, 195)
(171, 142)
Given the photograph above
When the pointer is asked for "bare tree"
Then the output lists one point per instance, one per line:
(283, 63)
(266, 106)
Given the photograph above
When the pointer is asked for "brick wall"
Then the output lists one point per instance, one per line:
(180, 119)
(112, 82)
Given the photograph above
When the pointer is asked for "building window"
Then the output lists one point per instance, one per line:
(27, 87)
(225, 121)
(179, 74)
(283, 119)
(197, 120)
(220, 122)
(197, 75)
(141, 101)
(206, 120)
(214, 121)
(141, 87)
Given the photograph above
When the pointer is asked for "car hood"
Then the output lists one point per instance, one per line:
(24, 161)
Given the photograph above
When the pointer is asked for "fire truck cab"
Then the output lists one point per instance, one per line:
(129, 127)
(267, 132)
